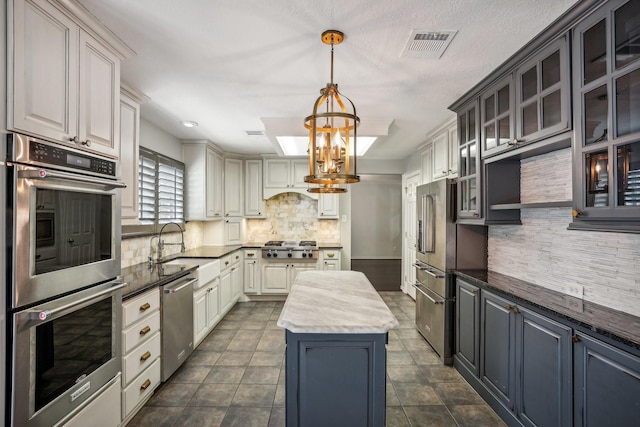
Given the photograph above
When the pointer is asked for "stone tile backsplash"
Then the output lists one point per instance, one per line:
(289, 216)
(292, 216)
(137, 250)
(544, 252)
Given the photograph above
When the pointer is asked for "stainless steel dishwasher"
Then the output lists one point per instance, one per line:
(176, 311)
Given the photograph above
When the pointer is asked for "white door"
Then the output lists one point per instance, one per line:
(79, 227)
(409, 257)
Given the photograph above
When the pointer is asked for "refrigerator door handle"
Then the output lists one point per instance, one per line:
(430, 223)
(428, 271)
(417, 286)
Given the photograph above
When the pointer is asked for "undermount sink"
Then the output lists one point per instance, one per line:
(208, 269)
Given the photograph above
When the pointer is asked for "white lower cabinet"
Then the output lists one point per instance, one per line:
(206, 310)
(330, 259)
(230, 281)
(100, 411)
(141, 350)
(251, 273)
(277, 277)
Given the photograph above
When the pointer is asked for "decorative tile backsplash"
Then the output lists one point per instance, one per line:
(289, 216)
(137, 250)
(544, 252)
(292, 216)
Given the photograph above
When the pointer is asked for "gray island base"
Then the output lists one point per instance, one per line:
(336, 330)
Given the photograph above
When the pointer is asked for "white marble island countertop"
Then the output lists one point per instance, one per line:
(335, 302)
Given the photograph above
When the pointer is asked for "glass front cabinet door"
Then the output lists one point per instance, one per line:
(496, 106)
(542, 94)
(606, 79)
(469, 176)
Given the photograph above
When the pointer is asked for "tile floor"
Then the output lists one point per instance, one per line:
(236, 377)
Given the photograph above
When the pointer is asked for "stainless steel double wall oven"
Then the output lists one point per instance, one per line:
(64, 299)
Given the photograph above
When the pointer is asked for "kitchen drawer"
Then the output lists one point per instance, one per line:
(140, 332)
(101, 411)
(139, 307)
(141, 388)
(228, 260)
(140, 358)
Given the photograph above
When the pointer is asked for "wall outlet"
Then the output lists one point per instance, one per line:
(575, 290)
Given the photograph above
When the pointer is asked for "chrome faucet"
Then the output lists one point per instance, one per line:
(162, 244)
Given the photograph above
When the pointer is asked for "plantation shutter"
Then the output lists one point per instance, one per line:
(147, 187)
(161, 189)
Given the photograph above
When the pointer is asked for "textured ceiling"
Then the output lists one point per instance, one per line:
(227, 64)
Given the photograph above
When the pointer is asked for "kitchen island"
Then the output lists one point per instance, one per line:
(336, 330)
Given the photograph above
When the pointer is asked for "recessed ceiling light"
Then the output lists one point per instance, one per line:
(189, 124)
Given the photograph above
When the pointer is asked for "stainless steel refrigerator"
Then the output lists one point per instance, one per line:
(443, 246)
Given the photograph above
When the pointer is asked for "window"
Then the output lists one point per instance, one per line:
(161, 189)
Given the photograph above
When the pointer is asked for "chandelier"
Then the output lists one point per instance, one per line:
(332, 135)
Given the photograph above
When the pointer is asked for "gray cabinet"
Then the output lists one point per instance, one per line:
(497, 109)
(498, 347)
(543, 366)
(606, 384)
(469, 176)
(542, 94)
(468, 325)
(335, 379)
(606, 87)
(519, 360)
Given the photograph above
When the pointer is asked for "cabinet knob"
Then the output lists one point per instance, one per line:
(444, 172)
(75, 140)
(515, 141)
(575, 339)
(576, 213)
(86, 143)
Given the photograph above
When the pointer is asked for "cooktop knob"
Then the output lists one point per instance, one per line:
(289, 254)
(275, 255)
(268, 254)
(304, 255)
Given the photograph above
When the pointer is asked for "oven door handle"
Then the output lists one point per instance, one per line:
(417, 286)
(428, 271)
(45, 314)
(47, 173)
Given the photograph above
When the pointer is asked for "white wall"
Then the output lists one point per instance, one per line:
(156, 139)
(544, 252)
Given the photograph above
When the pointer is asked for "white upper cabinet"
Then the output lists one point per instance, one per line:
(233, 187)
(63, 83)
(204, 169)
(328, 206)
(444, 153)
(130, 100)
(253, 201)
(285, 175)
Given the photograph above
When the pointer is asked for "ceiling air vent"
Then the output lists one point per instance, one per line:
(255, 132)
(427, 44)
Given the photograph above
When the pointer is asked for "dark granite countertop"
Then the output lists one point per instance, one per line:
(140, 277)
(617, 325)
(329, 245)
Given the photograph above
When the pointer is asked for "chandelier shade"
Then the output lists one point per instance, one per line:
(333, 130)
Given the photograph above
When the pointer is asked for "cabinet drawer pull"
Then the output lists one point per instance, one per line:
(250, 254)
(331, 255)
(145, 385)
(145, 356)
(144, 307)
(145, 330)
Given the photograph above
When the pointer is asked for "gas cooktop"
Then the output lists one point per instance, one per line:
(304, 249)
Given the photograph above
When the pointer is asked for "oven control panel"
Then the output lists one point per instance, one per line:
(47, 154)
